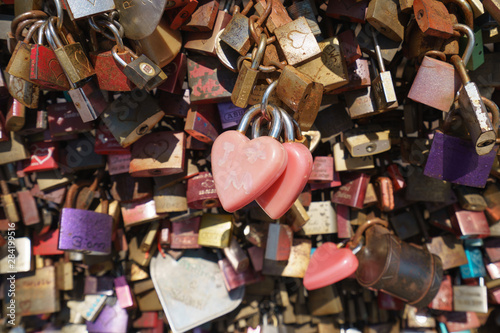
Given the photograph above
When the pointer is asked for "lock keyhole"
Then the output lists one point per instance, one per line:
(142, 130)
(371, 147)
(420, 14)
(485, 143)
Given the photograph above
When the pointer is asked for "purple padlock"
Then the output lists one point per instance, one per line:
(86, 231)
(230, 114)
(112, 319)
(455, 160)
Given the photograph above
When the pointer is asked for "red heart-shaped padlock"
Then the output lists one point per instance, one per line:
(329, 265)
(243, 169)
(278, 199)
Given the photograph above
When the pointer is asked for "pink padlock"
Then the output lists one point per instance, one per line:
(244, 169)
(278, 199)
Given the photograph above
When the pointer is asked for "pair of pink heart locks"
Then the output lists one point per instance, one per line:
(261, 169)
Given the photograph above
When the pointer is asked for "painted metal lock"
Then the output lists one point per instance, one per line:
(171, 199)
(202, 123)
(297, 263)
(64, 119)
(125, 188)
(323, 170)
(384, 255)
(322, 219)
(176, 72)
(433, 18)
(358, 76)
(236, 256)
(474, 268)
(203, 18)
(158, 154)
(209, 81)
(470, 198)
(131, 116)
(352, 192)
(139, 212)
(385, 194)
(279, 242)
(215, 230)
(106, 144)
(123, 293)
(19, 65)
(27, 205)
(330, 68)
(297, 41)
(349, 46)
(46, 244)
(44, 156)
(469, 224)
(201, 192)
(79, 155)
(348, 10)
(38, 292)
(230, 114)
(444, 298)
(185, 234)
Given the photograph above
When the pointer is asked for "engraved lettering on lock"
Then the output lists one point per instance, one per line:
(246, 181)
(228, 149)
(255, 152)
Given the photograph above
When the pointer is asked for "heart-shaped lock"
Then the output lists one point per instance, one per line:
(278, 198)
(329, 265)
(243, 169)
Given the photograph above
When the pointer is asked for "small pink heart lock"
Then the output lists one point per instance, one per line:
(243, 169)
(328, 265)
(278, 199)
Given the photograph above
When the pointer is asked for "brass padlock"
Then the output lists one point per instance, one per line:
(297, 41)
(387, 18)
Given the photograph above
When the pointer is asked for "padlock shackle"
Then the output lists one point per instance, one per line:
(20, 28)
(41, 33)
(356, 239)
(460, 68)
(265, 98)
(116, 34)
(260, 52)
(33, 14)
(34, 27)
(288, 125)
(433, 54)
(471, 41)
(466, 10)
(105, 18)
(245, 10)
(114, 52)
(495, 113)
(52, 36)
(378, 51)
(252, 112)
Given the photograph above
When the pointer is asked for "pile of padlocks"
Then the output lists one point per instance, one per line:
(249, 166)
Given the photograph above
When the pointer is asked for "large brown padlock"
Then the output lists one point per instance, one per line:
(385, 16)
(433, 18)
(237, 32)
(395, 267)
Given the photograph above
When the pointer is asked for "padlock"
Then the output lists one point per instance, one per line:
(202, 69)
(158, 154)
(277, 17)
(470, 298)
(204, 42)
(180, 15)
(144, 73)
(131, 116)
(237, 32)
(492, 197)
(230, 114)
(451, 45)
(297, 263)
(386, 18)
(297, 41)
(24, 91)
(477, 57)
(330, 68)
(38, 292)
(64, 275)
(78, 10)
(202, 123)
(176, 72)
(401, 282)
(79, 155)
(366, 140)
(470, 199)
(185, 234)
(350, 10)
(106, 144)
(63, 118)
(84, 230)
(305, 8)
(345, 162)
(109, 74)
(233, 279)
(349, 46)
(247, 76)
(444, 298)
(385, 194)
(19, 65)
(46, 70)
(44, 157)
(322, 219)
(125, 188)
(352, 192)
(203, 18)
(469, 224)
(215, 230)
(433, 18)
(201, 192)
(449, 249)
(162, 45)
(436, 83)
(383, 87)
(323, 170)
(236, 256)
(492, 8)
(46, 244)
(171, 199)
(15, 118)
(72, 58)
(27, 205)
(278, 198)
(8, 203)
(139, 212)
(279, 242)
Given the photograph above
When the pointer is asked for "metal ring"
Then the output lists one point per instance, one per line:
(116, 34)
(265, 98)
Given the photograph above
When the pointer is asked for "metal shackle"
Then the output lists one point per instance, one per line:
(276, 123)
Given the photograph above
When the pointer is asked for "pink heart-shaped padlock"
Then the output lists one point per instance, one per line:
(243, 169)
(329, 265)
(278, 199)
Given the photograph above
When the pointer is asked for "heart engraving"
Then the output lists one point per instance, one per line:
(278, 199)
(41, 155)
(297, 38)
(329, 265)
(156, 149)
(243, 169)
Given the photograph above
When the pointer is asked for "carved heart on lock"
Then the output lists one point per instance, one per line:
(243, 169)
(41, 155)
(278, 199)
(329, 265)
